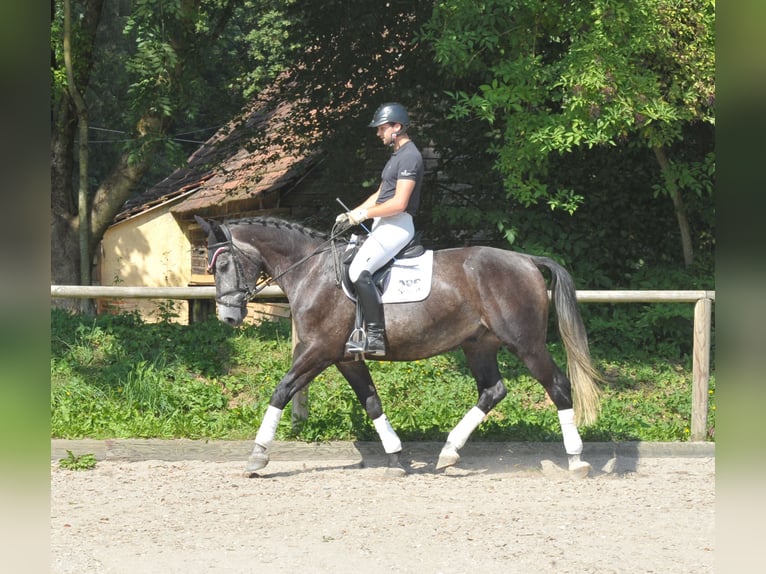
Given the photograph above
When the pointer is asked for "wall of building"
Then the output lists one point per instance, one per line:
(148, 250)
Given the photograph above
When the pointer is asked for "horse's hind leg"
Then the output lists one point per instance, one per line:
(358, 376)
(559, 389)
(482, 361)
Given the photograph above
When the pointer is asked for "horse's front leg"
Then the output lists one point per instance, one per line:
(303, 370)
(358, 376)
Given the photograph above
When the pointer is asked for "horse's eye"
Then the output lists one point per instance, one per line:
(223, 261)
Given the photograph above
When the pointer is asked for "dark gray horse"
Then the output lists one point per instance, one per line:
(482, 298)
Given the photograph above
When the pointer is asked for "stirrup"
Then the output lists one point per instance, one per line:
(357, 341)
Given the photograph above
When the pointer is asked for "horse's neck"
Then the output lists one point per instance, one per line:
(281, 254)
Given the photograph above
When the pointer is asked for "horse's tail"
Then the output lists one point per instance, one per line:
(583, 376)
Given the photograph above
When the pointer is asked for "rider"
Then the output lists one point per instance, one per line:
(392, 207)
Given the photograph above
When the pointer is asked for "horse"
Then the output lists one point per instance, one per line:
(482, 298)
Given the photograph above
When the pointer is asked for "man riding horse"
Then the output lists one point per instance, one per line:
(393, 207)
(480, 299)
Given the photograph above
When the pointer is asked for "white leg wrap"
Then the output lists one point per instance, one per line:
(268, 428)
(572, 440)
(465, 427)
(388, 436)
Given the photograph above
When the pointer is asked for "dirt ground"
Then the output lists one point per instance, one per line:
(500, 510)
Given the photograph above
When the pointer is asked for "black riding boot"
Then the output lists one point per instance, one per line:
(372, 310)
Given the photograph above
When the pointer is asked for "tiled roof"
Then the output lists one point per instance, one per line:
(251, 155)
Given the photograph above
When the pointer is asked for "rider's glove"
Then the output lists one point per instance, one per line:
(356, 216)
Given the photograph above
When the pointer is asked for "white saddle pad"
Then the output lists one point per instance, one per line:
(410, 280)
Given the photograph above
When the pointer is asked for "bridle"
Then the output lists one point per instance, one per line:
(242, 287)
(249, 292)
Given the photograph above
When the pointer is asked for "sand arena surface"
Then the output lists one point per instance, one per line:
(505, 508)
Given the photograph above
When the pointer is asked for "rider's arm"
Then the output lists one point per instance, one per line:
(370, 201)
(397, 204)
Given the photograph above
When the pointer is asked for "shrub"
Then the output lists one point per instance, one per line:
(115, 376)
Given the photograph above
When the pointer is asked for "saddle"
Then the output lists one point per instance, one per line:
(382, 276)
(404, 279)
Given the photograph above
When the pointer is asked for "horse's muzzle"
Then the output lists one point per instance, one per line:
(232, 314)
(233, 321)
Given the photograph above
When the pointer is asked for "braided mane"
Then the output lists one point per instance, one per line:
(277, 223)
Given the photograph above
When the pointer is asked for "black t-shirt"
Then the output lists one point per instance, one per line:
(404, 163)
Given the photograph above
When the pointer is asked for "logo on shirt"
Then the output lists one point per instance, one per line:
(407, 173)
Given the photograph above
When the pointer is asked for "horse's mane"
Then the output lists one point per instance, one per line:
(277, 223)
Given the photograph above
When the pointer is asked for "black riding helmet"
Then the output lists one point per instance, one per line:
(390, 113)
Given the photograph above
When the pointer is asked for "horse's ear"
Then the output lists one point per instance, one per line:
(203, 224)
(214, 232)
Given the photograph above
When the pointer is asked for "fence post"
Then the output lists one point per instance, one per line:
(300, 401)
(701, 368)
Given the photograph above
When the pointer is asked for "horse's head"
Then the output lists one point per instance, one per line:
(235, 272)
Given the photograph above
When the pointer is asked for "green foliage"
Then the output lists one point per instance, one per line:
(643, 400)
(694, 176)
(189, 66)
(115, 376)
(269, 45)
(620, 237)
(552, 78)
(645, 330)
(75, 462)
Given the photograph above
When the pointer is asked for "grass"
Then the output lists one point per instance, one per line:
(115, 376)
(78, 462)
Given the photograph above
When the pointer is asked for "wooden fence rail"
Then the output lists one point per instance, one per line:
(703, 306)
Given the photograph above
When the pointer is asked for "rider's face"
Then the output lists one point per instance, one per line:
(386, 132)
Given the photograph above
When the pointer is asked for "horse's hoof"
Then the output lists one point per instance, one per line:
(447, 457)
(394, 468)
(579, 468)
(395, 472)
(256, 462)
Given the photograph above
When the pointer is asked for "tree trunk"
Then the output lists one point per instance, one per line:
(87, 305)
(65, 226)
(678, 203)
(65, 269)
(77, 226)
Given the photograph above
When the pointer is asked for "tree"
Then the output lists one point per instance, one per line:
(145, 69)
(553, 77)
(82, 119)
(70, 77)
(356, 56)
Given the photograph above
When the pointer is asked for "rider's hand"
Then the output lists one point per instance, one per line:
(356, 216)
